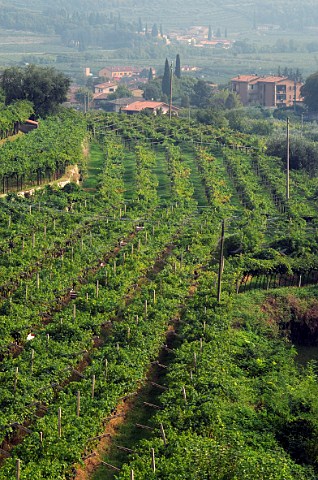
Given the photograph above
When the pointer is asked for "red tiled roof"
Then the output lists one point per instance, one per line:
(272, 79)
(105, 85)
(245, 78)
(138, 106)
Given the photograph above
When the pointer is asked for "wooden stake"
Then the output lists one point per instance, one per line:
(195, 360)
(16, 379)
(137, 319)
(97, 288)
(221, 260)
(163, 434)
(154, 296)
(17, 469)
(26, 292)
(153, 460)
(184, 393)
(132, 475)
(74, 311)
(78, 403)
(32, 359)
(201, 345)
(41, 437)
(106, 367)
(38, 280)
(204, 326)
(30, 209)
(128, 333)
(114, 267)
(146, 307)
(44, 230)
(93, 386)
(33, 239)
(59, 422)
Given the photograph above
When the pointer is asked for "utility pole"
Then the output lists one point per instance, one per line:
(170, 100)
(287, 159)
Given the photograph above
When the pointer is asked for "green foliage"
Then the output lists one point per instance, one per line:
(303, 152)
(165, 83)
(177, 70)
(309, 92)
(44, 87)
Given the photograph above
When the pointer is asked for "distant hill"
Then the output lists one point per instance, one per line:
(232, 14)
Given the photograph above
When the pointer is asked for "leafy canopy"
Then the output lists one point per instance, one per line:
(45, 87)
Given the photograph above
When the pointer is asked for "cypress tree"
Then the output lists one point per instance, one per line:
(177, 71)
(150, 74)
(210, 33)
(165, 86)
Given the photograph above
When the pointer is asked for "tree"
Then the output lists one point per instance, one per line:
(154, 31)
(218, 33)
(210, 33)
(177, 71)
(202, 94)
(165, 85)
(121, 92)
(150, 75)
(45, 87)
(152, 91)
(310, 92)
(139, 25)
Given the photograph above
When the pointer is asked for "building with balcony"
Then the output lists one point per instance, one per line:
(269, 91)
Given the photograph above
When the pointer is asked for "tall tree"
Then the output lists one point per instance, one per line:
(45, 87)
(310, 92)
(177, 70)
(150, 75)
(202, 93)
(165, 86)
(139, 25)
(210, 33)
(154, 31)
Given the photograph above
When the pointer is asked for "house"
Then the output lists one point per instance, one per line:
(151, 106)
(216, 43)
(118, 72)
(116, 105)
(105, 88)
(268, 91)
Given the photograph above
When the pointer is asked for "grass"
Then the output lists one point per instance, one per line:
(128, 434)
(199, 191)
(129, 175)
(94, 167)
(160, 171)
